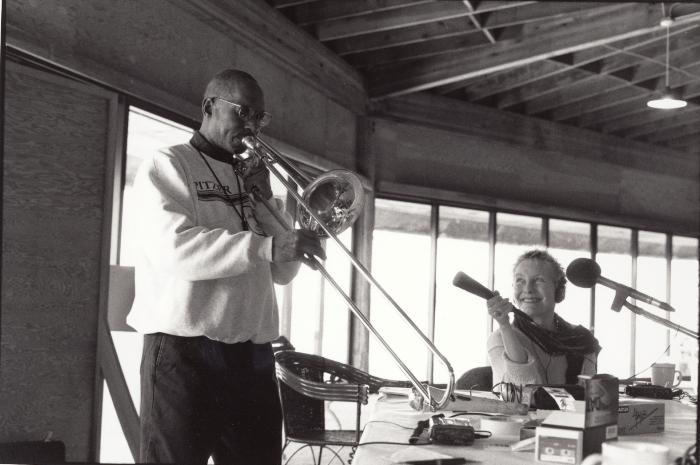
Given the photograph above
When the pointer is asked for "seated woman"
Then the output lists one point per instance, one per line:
(538, 347)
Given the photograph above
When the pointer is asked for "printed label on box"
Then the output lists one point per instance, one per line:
(557, 449)
(636, 417)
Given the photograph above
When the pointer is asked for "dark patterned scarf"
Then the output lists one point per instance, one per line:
(569, 340)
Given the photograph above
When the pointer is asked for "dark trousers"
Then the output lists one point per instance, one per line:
(202, 398)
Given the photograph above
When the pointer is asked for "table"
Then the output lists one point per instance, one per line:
(679, 434)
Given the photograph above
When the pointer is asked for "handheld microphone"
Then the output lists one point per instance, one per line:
(584, 272)
(465, 282)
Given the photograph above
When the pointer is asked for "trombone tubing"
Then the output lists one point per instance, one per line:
(272, 154)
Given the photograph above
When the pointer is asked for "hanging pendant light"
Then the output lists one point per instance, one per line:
(669, 100)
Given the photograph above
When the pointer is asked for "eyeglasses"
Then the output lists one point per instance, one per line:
(247, 114)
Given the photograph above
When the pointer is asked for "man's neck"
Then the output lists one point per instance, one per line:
(202, 143)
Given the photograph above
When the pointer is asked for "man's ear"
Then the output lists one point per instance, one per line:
(207, 104)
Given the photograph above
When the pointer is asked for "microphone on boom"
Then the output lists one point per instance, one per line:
(584, 272)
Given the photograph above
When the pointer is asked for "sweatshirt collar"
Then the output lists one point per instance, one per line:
(199, 142)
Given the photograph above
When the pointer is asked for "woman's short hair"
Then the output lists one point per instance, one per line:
(544, 256)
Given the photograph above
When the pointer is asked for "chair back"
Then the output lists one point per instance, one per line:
(478, 379)
(301, 412)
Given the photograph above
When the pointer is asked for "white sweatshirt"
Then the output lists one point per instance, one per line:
(198, 273)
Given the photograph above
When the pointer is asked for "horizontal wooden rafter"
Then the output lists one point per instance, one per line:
(407, 35)
(624, 118)
(288, 3)
(388, 20)
(512, 78)
(689, 127)
(632, 21)
(329, 10)
(411, 51)
(686, 143)
(644, 80)
(612, 73)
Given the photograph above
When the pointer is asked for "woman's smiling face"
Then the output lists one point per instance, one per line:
(534, 287)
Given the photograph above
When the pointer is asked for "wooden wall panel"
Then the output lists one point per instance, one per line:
(56, 138)
(494, 159)
(165, 51)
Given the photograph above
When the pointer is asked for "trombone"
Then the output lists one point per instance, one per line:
(328, 205)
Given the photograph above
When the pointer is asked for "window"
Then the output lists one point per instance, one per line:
(651, 338)
(463, 240)
(684, 298)
(569, 240)
(514, 235)
(147, 133)
(461, 321)
(613, 329)
(401, 263)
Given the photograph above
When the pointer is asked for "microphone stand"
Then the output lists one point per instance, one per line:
(620, 301)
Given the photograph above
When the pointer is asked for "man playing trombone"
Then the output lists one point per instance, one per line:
(208, 258)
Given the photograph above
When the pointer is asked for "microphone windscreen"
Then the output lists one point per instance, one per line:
(583, 272)
(463, 281)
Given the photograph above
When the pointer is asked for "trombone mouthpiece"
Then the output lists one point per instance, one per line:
(250, 142)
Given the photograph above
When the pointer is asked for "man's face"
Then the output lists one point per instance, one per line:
(534, 287)
(225, 127)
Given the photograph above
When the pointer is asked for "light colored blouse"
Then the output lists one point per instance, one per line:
(540, 367)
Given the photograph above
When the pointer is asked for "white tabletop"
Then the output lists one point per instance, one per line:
(679, 434)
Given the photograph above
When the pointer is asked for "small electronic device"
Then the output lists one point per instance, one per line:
(452, 431)
(650, 391)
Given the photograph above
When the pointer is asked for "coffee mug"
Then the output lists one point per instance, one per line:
(629, 453)
(663, 374)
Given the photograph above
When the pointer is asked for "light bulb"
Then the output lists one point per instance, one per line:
(668, 101)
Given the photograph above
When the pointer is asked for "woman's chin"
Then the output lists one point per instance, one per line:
(533, 310)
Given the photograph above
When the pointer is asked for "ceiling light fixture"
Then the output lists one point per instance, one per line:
(669, 99)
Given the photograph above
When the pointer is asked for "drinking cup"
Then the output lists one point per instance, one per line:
(664, 374)
(629, 453)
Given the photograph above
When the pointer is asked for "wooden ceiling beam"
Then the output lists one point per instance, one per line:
(688, 126)
(288, 3)
(631, 21)
(689, 144)
(573, 96)
(403, 36)
(623, 118)
(645, 78)
(656, 120)
(512, 78)
(411, 34)
(477, 23)
(404, 18)
(536, 12)
(623, 113)
(612, 73)
(476, 89)
(411, 51)
(388, 20)
(544, 87)
(329, 10)
(568, 101)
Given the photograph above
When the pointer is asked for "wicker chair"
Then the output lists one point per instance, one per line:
(306, 382)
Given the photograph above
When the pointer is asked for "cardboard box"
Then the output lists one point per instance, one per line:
(602, 399)
(637, 416)
(570, 445)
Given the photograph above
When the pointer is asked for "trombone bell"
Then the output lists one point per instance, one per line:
(336, 198)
